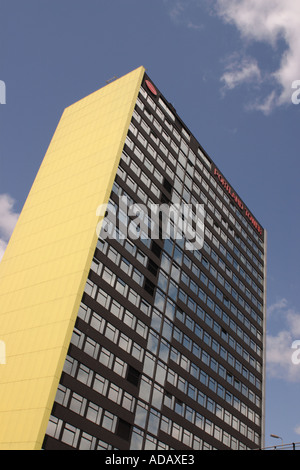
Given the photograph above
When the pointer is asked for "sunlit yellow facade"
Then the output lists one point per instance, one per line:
(45, 266)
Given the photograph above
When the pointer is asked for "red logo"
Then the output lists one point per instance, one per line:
(151, 87)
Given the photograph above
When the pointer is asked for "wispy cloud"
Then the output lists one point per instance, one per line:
(279, 345)
(277, 306)
(297, 429)
(196, 27)
(179, 12)
(8, 220)
(239, 72)
(175, 8)
(268, 22)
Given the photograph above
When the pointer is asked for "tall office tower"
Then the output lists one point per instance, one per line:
(116, 338)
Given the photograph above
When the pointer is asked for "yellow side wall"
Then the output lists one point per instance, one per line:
(46, 263)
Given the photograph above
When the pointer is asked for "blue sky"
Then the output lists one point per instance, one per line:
(228, 67)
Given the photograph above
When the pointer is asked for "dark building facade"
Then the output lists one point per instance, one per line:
(168, 347)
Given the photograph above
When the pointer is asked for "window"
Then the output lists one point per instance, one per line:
(87, 442)
(54, 427)
(108, 276)
(115, 393)
(111, 332)
(116, 309)
(103, 298)
(94, 413)
(84, 375)
(149, 287)
(62, 395)
(109, 421)
(153, 422)
(123, 429)
(133, 297)
(126, 266)
(120, 367)
(121, 286)
(91, 348)
(106, 357)
(128, 402)
(133, 375)
(100, 384)
(70, 435)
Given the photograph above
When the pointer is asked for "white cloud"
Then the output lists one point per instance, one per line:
(279, 305)
(238, 72)
(265, 105)
(8, 220)
(279, 346)
(177, 10)
(269, 21)
(297, 429)
(3, 245)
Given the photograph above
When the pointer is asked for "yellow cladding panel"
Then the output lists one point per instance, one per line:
(46, 264)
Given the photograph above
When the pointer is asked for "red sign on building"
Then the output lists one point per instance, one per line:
(237, 200)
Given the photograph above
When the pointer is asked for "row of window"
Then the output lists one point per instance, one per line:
(181, 258)
(164, 304)
(184, 190)
(161, 396)
(201, 354)
(86, 375)
(216, 242)
(130, 247)
(213, 407)
(230, 259)
(112, 333)
(168, 307)
(193, 369)
(139, 278)
(80, 405)
(184, 146)
(189, 413)
(157, 421)
(179, 275)
(230, 273)
(168, 330)
(125, 267)
(200, 397)
(109, 277)
(108, 420)
(215, 346)
(143, 178)
(142, 440)
(178, 221)
(241, 257)
(192, 285)
(119, 312)
(163, 351)
(75, 437)
(184, 149)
